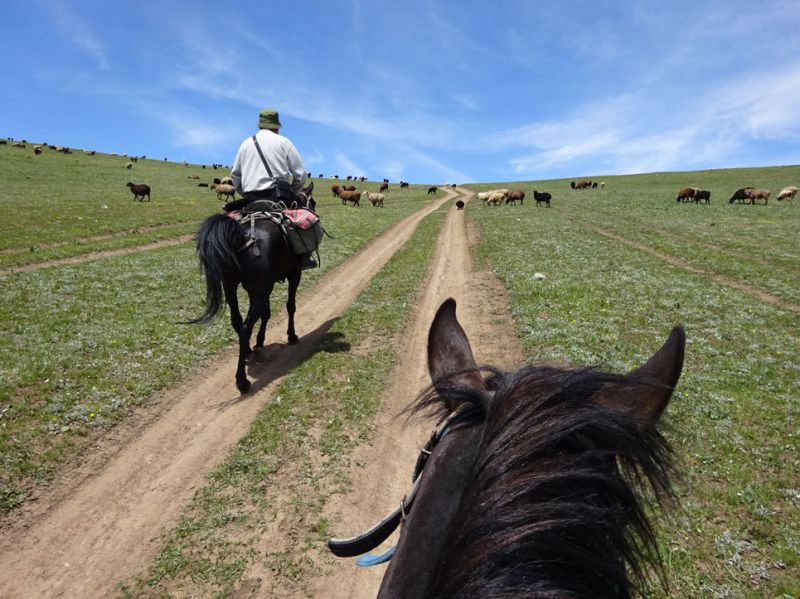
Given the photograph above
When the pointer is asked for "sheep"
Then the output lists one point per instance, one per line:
(602, 184)
(129, 165)
(384, 187)
(202, 184)
(787, 193)
(335, 189)
(223, 189)
(686, 194)
(702, 194)
(350, 196)
(226, 181)
(483, 195)
(432, 190)
(496, 198)
(542, 198)
(403, 184)
(459, 204)
(514, 196)
(349, 188)
(375, 198)
(37, 150)
(3, 142)
(89, 152)
(758, 194)
(740, 195)
(139, 191)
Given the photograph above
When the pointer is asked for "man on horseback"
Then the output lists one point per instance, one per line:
(262, 168)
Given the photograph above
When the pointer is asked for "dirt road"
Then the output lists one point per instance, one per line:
(86, 534)
(384, 475)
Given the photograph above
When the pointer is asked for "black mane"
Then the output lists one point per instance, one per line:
(566, 481)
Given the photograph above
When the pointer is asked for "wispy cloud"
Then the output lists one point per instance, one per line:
(76, 30)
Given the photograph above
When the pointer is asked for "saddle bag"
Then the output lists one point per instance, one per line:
(304, 230)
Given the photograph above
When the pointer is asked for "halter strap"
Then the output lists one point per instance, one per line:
(378, 533)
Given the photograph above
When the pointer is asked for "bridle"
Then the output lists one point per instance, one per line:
(378, 533)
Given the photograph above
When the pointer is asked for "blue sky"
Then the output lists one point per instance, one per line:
(454, 91)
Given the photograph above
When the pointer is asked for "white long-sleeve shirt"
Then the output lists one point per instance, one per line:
(248, 172)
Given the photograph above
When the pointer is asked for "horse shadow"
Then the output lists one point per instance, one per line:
(278, 359)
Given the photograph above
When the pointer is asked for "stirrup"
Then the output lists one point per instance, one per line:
(307, 262)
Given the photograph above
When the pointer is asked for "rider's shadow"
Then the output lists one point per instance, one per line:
(278, 359)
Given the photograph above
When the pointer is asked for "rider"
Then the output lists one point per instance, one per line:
(262, 168)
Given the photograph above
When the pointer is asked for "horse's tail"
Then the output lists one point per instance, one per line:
(218, 241)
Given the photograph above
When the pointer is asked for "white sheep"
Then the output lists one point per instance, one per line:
(787, 193)
(224, 190)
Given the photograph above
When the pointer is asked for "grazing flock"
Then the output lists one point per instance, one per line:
(745, 195)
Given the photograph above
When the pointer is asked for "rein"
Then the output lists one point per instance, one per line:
(378, 533)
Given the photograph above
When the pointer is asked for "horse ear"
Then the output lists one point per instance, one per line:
(449, 350)
(647, 390)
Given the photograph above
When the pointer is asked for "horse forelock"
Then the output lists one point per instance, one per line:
(556, 504)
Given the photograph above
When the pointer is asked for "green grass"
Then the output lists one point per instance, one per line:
(303, 438)
(734, 419)
(80, 345)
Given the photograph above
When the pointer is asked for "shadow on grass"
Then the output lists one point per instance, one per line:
(278, 359)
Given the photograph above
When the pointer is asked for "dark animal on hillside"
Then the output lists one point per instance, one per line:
(459, 204)
(758, 194)
(335, 176)
(202, 184)
(228, 261)
(37, 150)
(403, 184)
(349, 177)
(432, 190)
(702, 195)
(583, 184)
(453, 185)
(514, 197)
(384, 187)
(320, 176)
(740, 195)
(139, 191)
(349, 188)
(572, 184)
(542, 198)
(534, 482)
(594, 185)
(350, 196)
(335, 189)
(686, 194)
(3, 142)
(386, 180)
(216, 180)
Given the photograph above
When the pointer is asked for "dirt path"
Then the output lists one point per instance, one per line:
(758, 294)
(383, 475)
(82, 537)
(106, 237)
(97, 255)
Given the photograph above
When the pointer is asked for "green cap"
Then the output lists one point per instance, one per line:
(268, 119)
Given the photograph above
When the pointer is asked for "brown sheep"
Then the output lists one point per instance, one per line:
(335, 189)
(350, 196)
(384, 187)
(222, 189)
(139, 191)
(758, 194)
(515, 196)
(349, 188)
(686, 194)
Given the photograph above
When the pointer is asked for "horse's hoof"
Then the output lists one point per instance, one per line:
(243, 386)
(293, 339)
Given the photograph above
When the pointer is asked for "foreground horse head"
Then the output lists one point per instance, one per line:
(534, 485)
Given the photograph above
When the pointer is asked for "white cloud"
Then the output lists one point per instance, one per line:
(77, 30)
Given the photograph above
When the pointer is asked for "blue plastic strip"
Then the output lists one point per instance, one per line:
(365, 561)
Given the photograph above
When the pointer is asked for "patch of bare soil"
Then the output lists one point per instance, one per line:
(758, 294)
(97, 255)
(381, 471)
(103, 525)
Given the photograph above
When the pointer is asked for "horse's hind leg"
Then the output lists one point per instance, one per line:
(245, 331)
(233, 303)
(294, 281)
(262, 330)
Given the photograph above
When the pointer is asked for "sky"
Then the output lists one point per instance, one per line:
(429, 92)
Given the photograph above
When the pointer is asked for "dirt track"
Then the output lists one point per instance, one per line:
(86, 534)
(384, 475)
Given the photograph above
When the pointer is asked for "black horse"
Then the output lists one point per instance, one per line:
(532, 486)
(229, 259)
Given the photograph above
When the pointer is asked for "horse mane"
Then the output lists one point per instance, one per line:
(557, 502)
